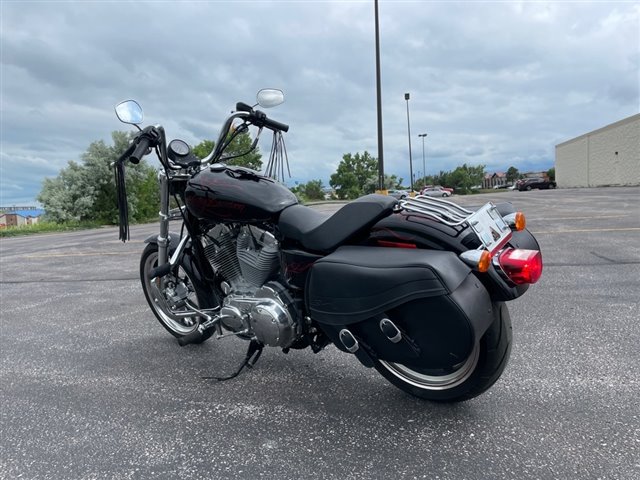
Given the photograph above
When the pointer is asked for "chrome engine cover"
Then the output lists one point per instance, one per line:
(271, 319)
(268, 314)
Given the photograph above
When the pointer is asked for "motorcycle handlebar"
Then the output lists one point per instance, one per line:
(243, 107)
(141, 150)
(260, 119)
(274, 125)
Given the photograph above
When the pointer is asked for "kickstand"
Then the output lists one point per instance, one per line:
(253, 354)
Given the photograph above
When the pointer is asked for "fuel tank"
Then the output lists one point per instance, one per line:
(236, 194)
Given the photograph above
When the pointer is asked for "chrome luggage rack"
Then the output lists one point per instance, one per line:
(442, 211)
(490, 227)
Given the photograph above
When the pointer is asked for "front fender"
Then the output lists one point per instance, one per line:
(174, 240)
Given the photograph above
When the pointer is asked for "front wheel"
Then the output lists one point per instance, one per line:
(172, 295)
(475, 375)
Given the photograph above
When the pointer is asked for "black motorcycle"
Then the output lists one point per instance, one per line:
(415, 288)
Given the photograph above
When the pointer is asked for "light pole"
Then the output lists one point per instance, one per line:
(424, 171)
(379, 104)
(406, 97)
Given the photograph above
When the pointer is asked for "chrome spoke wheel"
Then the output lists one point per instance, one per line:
(169, 296)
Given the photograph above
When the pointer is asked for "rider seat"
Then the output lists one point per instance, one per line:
(322, 232)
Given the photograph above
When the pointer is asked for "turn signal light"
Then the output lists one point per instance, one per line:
(521, 266)
(484, 262)
(516, 221)
(479, 260)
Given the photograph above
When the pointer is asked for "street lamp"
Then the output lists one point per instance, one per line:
(406, 97)
(379, 103)
(424, 171)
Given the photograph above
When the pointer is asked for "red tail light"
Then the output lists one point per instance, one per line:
(521, 266)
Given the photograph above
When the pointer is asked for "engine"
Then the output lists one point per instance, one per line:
(246, 258)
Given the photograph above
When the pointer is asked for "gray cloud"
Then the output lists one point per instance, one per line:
(492, 83)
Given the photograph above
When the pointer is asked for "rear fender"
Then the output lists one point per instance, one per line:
(413, 229)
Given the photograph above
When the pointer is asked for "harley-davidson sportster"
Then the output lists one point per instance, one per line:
(415, 288)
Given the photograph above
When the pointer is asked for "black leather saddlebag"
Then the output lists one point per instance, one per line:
(434, 300)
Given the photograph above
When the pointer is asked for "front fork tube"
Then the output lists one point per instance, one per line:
(163, 237)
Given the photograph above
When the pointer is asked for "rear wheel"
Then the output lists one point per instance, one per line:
(475, 375)
(170, 296)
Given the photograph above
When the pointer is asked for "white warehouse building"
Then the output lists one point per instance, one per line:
(607, 156)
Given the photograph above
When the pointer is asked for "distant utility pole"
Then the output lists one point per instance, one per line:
(424, 170)
(379, 101)
(406, 97)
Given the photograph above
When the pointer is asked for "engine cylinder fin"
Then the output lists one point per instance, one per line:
(221, 253)
(256, 265)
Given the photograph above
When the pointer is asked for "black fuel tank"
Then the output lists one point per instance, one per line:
(235, 194)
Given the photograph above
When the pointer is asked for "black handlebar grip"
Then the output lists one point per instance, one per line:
(243, 107)
(141, 149)
(274, 125)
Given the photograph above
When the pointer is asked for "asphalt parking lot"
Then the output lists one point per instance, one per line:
(93, 387)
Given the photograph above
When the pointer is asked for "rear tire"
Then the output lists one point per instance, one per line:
(160, 302)
(474, 376)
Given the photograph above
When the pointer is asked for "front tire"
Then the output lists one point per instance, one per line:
(181, 289)
(475, 375)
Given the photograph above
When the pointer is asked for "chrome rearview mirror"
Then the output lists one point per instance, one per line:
(270, 97)
(129, 111)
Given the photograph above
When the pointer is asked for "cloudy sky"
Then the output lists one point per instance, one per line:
(493, 83)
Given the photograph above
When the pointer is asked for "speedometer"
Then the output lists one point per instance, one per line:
(178, 148)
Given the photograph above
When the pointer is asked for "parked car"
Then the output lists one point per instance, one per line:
(435, 192)
(399, 194)
(538, 182)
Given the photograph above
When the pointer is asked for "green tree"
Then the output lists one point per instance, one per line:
(512, 174)
(461, 179)
(312, 190)
(465, 177)
(353, 174)
(86, 191)
(204, 148)
(390, 182)
(237, 153)
(552, 174)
